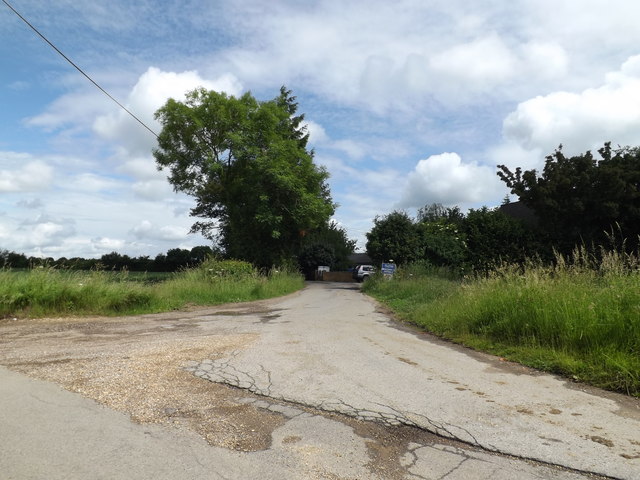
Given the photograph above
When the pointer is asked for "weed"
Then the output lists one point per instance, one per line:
(49, 291)
(579, 317)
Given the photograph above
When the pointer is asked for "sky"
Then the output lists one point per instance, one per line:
(408, 103)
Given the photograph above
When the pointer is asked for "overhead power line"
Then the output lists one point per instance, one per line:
(78, 68)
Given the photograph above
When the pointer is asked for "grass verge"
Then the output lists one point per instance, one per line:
(47, 291)
(579, 319)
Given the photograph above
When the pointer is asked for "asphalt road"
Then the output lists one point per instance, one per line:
(320, 384)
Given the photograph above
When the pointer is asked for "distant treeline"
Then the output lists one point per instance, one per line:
(174, 260)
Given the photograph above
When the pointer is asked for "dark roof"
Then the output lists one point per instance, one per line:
(359, 258)
(520, 211)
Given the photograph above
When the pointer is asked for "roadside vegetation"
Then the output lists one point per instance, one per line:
(48, 291)
(578, 317)
(551, 281)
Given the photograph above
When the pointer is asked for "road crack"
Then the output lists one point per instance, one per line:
(260, 383)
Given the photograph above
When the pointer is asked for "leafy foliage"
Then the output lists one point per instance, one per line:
(444, 237)
(246, 164)
(314, 255)
(579, 199)
(230, 269)
(334, 241)
(436, 212)
(493, 237)
(441, 243)
(393, 237)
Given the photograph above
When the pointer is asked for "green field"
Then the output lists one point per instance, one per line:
(579, 318)
(47, 291)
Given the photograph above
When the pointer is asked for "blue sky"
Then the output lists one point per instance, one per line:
(408, 103)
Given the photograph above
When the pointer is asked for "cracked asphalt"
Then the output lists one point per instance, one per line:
(319, 384)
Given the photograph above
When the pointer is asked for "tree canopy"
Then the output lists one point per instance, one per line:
(446, 237)
(246, 163)
(573, 202)
(581, 199)
(393, 237)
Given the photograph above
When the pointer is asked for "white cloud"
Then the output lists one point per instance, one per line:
(152, 189)
(48, 233)
(481, 62)
(446, 179)
(354, 149)
(582, 120)
(390, 59)
(317, 133)
(72, 110)
(106, 244)
(147, 230)
(32, 176)
(41, 232)
(93, 183)
(545, 59)
(153, 89)
(142, 168)
(514, 155)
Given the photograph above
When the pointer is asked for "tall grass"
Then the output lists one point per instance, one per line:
(48, 291)
(217, 282)
(579, 317)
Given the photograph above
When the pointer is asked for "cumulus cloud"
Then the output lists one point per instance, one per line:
(142, 168)
(581, 120)
(545, 59)
(153, 89)
(93, 183)
(380, 56)
(72, 110)
(32, 176)
(377, 148)
(150, 231)
(43, 231)
(386, 58)
(318, 137)
(514, 155)
(446, 179)
(483, 61)
(48, 233)
(317, 133)
(106, 244)
(152, 189)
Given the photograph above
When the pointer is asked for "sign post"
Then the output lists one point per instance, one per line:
(388, 269)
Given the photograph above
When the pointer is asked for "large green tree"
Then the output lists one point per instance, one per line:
(246, 163)
(394, 237)
(581, 199)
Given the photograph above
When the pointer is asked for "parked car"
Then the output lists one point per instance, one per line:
(362, 272)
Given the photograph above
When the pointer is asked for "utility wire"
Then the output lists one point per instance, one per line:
(79, 69)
